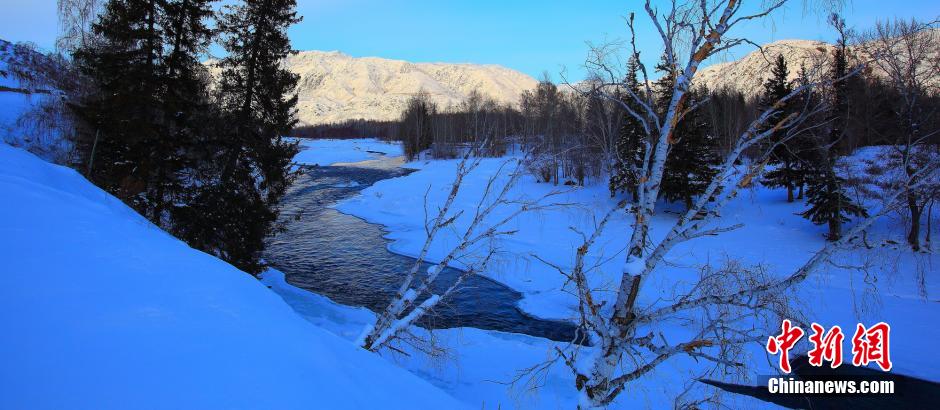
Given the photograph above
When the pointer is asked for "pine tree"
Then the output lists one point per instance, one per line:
(148, 79)
(692, 159)
(803, 146)
(829, 204)
(249, 161)
(826, 196)
(185, 100)
(123, 114)
(783, 153)
(630, 148)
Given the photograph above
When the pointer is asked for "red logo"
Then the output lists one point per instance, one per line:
(826, 346)
(868, 345)
(784, 342)
(871, 345)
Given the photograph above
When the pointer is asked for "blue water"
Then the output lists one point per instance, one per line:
(347, 259)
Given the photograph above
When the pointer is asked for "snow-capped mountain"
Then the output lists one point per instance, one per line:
(336, 87)
(748, 74)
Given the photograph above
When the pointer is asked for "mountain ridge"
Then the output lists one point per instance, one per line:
(336, 87)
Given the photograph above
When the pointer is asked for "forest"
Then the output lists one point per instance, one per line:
(640, 236)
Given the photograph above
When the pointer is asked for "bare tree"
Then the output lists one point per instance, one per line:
(474, 249)
(75, 20)
(906, 53)
(415, 130)
(726, 305)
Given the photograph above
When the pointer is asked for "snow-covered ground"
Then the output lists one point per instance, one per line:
(21, 111)
(897, 286)
(106, 310)
(13, 103)
(330, 152)
(101, 309)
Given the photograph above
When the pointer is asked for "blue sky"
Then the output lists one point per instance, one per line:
(530, 36)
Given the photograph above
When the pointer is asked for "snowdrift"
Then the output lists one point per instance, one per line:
(101, 309)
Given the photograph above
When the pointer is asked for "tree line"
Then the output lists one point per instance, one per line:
(673, 140)
(196, 148)
(577, 134)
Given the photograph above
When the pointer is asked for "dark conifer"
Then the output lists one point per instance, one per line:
(124, 114)
(185, 102)
(826, 195)
(693, 157)
(147, 83)
(247, 160)
(784, 152)
(630, 148)
(829, 204)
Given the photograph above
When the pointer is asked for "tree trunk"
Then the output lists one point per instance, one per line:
(913, 236)
(789, 181)
(929, 214)
(835, 229)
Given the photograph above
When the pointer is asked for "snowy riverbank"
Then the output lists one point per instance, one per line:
(108, 310)
(101, 309)
(773, 236)
(326, 152)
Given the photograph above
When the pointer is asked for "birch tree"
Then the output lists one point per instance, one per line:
(726, 305)
(488, 221)
(906, 54)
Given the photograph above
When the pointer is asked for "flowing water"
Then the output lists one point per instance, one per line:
(346, 259)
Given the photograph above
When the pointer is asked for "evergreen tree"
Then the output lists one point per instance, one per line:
(630, 148)
(826, 196)
(784, 153)
(247, 160)
(185, 100)
(124, 113)
(209, 166)
(829, 204)
(692, 159)
(803, 146)
(147, 79)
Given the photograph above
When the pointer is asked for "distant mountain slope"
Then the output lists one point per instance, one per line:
(748, 74)
(336, 87)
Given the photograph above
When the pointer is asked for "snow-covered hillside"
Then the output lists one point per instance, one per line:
(748, 73)
(12, 100)
(30, 112)
(101, 309)
(335, 87)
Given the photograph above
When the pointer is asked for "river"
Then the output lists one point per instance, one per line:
(346, 259)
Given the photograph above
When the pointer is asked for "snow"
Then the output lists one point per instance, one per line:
(332, 152)
(101, 309)
(97, 296)
(398, 204)
(896, 286)
(335, 87)
(748, 73)
(14, 104)
(478, 361)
